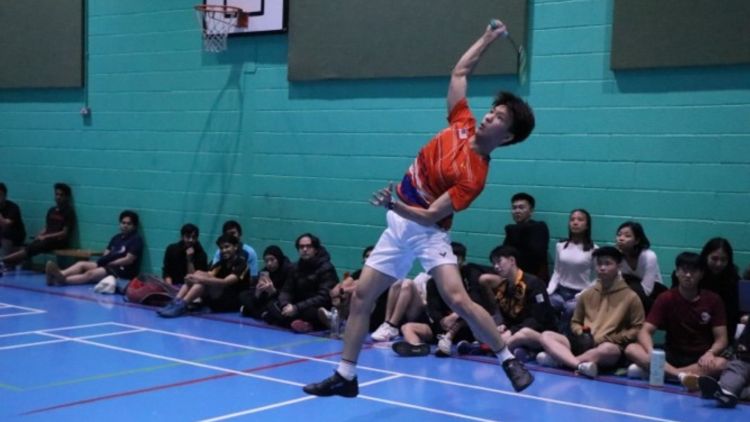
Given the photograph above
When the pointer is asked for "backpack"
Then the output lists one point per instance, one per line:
(147, 289)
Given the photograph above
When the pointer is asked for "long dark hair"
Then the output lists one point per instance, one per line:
(642, 242)
(730, 272)
(588, 244)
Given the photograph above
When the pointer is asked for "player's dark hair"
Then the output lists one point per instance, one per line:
(189, 229)
(132, 215)
(523, 196)
(588, 244)
(608, 251)
(642, 242)
(231, 224)
(3, 188)
(522, 116)
(65, 189)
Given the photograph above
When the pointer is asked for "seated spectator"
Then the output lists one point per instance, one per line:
(695, 325)
(440, 324)
(341, 295)
(722, 277)
(307, 287)
(219, 288)
(734, 382)
(529, 237)
(12, 229)
(184, 257)
(609, 310)
(56, 232)
(521, 302)
(265, 290)
(246, 251)
(406, 302)
(573, 264)
(121, 258)
(639, 268)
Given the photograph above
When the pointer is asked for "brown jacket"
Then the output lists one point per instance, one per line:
(614, 316)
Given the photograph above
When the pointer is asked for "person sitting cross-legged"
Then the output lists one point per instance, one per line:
(219, 288)
(695, 325)
(307, 288)
(734, 383)
(265, 290)
(521, 302)
(610, 309)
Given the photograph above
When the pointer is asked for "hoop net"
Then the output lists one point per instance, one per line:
(216, 22)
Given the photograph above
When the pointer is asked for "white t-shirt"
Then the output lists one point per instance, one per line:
(573, 267)
(647, 269)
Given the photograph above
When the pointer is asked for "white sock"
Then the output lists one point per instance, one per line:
(504, 354)
(681, 375)
(347, 370)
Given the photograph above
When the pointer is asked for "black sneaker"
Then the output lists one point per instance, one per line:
(335, 385)
(518, 375)
(711, 389)
(405, 349)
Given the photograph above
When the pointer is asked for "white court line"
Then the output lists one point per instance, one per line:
(435, 380)
(29, 311)
(22, 313)
(42, 343)
(176, 360)
(258, 409)
(70, 327)
(425, 409)
(227, 370)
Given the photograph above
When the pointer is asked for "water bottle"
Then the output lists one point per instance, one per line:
(335, 323)
(656, 374)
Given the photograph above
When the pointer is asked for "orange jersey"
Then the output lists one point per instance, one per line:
(447, 164)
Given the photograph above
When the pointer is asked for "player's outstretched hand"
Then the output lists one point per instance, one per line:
(497, 28)
(383, 197)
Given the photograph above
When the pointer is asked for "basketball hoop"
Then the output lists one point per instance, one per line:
(216, 21)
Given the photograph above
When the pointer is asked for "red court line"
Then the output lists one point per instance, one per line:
(172, 385)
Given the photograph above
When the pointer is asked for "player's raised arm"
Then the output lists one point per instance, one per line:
(467, 62)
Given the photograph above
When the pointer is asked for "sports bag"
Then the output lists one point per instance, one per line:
(147, 289)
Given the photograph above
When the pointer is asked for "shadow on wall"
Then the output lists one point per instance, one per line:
(218, 152)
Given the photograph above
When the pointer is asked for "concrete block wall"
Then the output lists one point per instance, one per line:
(179, 135)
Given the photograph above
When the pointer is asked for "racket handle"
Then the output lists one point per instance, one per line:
(494, 24)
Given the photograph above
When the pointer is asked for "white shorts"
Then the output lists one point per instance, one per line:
(405, 240)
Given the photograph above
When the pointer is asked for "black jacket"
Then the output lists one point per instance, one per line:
(309, 283)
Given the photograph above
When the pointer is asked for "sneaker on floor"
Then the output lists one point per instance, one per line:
(689, 381)
(588, 369)
(324, 315)
(519, 376)
(335, 385)
(174, 309)
(711, 389)
(544, 359)
(53, 274)
(444, 346)
(635, 372)
(386, 332)
(301, 326)
(465, 347)
(405, 349)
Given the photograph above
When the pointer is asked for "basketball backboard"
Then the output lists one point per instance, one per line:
(265, 15)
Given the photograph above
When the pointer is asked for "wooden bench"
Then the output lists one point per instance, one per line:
(65, 257)
(77, 254)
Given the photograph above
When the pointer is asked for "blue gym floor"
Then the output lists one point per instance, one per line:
(67, 353)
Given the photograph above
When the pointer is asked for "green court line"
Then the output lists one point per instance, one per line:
(153, 368)
(11, 388)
